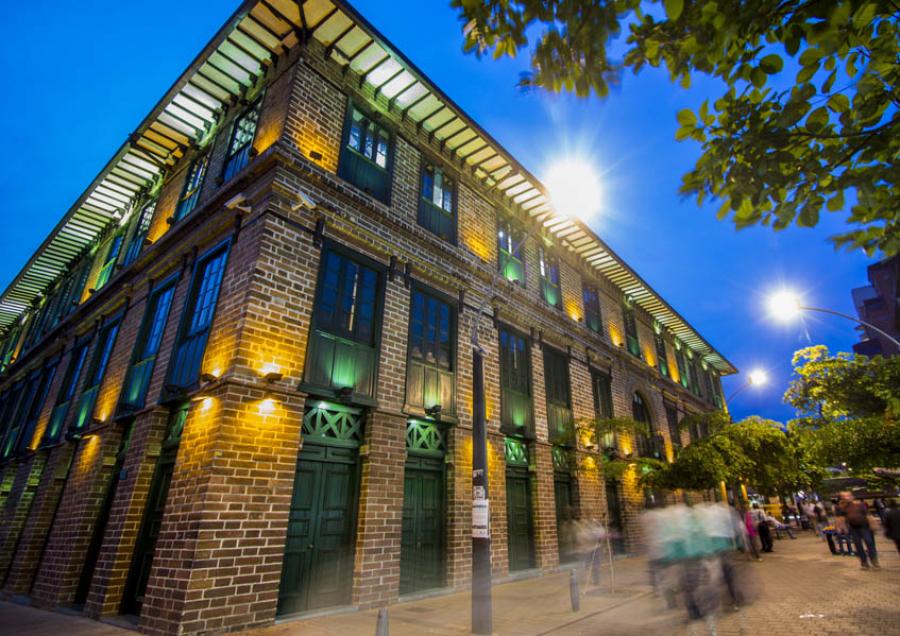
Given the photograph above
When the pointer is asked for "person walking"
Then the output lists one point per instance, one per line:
(751, 535)
(892, 522)
(858, 522)
(761, 521)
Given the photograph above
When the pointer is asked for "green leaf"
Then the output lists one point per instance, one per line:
(673, 8)
(817, 120)
(686, 117)
(839, 103)
(771, 64)
(836, 202)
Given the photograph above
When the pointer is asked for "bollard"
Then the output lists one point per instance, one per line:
(573, 591)
(381, 627)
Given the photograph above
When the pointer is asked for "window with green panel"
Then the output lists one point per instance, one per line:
(681, 362)
(109, 261)
(631, 333)
(137, 379)
(345, 325)
(510, 247)
(366, 156)
(437, 204)
(96, 372)
(559, 398)
(430, 378)
(550, 286)
(662, 358)
(66, 392)
(516, 415)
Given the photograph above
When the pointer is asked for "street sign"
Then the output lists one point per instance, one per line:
(481, 528)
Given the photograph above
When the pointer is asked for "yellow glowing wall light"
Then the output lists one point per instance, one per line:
(615, 333)
(573, 309)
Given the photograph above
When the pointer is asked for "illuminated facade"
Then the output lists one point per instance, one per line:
(237, 377)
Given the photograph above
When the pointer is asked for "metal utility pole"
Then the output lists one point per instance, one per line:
(482, 606)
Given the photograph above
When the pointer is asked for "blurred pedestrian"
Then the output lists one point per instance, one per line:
(762, 528)
(752, 534)
(892, 522)
(860, 531)
(842, 536)
(880, 508)
(820, 517)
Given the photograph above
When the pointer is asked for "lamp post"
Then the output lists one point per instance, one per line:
(573, 188)
(785, 305)
(757, 377)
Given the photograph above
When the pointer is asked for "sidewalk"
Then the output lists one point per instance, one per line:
(531, 606)
(803, 590)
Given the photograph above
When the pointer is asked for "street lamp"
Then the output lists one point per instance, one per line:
(785, 306)
(757, 377)
(573, 189)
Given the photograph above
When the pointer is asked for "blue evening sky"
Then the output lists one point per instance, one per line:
(86, 73)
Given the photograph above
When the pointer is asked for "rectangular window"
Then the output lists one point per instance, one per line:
(109, 261)
(559, 400)
(193, 183)
(716, 382)
(672, 423)
(342, 352)
(437, 205)
(662, 358)
(96, 371)
(516, 417)
(603, 405)
(9, 348)
(242, 134)
(139, 234)
(430, 378)
(510, 246)
(631, 333)
(366, 155)
(9, 424)
(31, 410)
(682, 366)
(197, 319)
(134, 389)
(592, 315)
(550, 289)
(694, 368)
(66, 392)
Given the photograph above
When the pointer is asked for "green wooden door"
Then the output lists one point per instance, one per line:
(318, 557)
(565, 515)
(520, 534)
(422, 544)
(142, 560)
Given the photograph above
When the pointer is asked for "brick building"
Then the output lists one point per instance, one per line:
(237, 375)
(878, 303)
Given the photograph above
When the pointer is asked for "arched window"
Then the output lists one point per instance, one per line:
(639, 410)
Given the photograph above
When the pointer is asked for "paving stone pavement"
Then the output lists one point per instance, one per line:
(802, 590)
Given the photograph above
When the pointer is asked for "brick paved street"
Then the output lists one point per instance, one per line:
(804, 590)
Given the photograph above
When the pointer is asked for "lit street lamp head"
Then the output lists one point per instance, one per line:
(758, 377)
(784, 305)
(573, 188)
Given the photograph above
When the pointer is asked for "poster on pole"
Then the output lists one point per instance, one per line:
(481, 519)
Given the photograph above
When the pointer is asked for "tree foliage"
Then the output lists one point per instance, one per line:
(849, 407)
(808, 119)
(754, 451)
